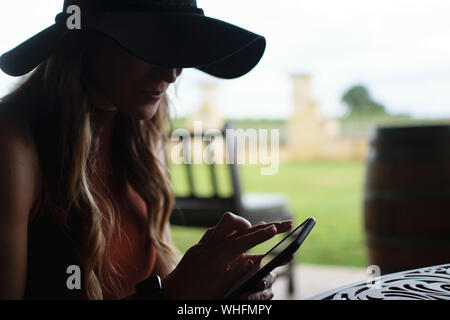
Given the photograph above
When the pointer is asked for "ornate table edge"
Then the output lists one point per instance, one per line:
(428, 283)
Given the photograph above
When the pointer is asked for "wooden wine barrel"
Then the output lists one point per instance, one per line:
(407, 197)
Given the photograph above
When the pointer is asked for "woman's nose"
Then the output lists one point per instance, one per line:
(171, 74)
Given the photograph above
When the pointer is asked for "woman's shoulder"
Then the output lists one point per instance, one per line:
(15, 130)
(19, 163)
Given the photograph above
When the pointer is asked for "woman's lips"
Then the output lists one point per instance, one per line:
(153, 94)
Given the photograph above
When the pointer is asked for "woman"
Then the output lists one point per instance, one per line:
(84, 183)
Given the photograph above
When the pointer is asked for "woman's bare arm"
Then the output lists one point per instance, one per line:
(18, 189)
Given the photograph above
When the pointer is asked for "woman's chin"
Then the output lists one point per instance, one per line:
(143, 112)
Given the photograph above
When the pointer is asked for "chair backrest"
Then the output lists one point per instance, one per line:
(232, 175)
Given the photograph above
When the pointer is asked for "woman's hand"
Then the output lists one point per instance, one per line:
(263, 290)
(211, 267)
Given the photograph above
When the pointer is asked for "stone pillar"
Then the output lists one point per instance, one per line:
(207, 113)
(302, 90)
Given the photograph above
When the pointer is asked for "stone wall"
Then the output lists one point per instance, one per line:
(309, 135)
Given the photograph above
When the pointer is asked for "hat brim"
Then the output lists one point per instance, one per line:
(29, 54)
(180, 40)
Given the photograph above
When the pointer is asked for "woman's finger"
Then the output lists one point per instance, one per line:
(284, 226)
(208, 234)
(266, 282)
(228, 224)
(281, 228)
(244, 257)
(261, 295)
(263, 290)
(240, 245)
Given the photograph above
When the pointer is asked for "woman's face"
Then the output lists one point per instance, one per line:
(117, 80)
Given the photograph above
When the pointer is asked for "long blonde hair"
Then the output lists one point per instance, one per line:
(55, 102)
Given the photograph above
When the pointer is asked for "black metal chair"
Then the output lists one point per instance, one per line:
(193, 210)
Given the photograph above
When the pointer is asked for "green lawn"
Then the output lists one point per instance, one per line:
(330, 191)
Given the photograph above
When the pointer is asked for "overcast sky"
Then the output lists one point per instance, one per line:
(399, 49)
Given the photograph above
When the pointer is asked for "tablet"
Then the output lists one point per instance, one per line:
(268, 262)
